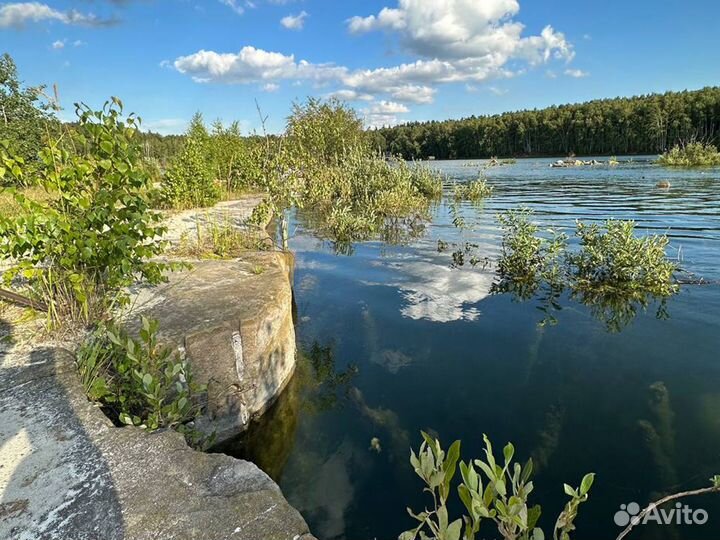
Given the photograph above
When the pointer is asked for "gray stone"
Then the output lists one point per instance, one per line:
(235, 325)
(68, 474)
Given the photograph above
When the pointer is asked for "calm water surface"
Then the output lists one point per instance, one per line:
(395, 341)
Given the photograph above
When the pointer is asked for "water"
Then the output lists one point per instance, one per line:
(396, 341)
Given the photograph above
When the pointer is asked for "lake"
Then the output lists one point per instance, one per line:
(395, 339)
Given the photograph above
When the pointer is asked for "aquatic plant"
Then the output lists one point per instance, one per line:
(530, 259)
(475, 190)
(494, 492)
(694, 154)
(94, 233)
(139, 382)
(612, 259)
(614, 272)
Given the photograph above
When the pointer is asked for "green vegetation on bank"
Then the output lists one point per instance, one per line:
(647, 124)
(93, 231)
(691, 155)
(139, 382)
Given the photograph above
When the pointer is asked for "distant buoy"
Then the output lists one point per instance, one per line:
(663, 184)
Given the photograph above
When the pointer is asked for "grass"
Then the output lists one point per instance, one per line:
(216, 239)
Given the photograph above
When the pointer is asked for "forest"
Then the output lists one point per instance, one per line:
(649, 124)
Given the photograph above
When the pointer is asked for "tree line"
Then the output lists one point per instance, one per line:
(648, 124)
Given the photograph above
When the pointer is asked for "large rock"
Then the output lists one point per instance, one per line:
(233, 319)
(66, 473)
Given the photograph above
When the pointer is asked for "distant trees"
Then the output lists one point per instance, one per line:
(646, 124)
(24, 117)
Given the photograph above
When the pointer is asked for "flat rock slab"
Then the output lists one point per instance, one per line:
(66, 473)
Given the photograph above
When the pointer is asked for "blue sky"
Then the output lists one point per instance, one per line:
(393, 60)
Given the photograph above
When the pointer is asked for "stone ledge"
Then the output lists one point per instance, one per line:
(68, 474)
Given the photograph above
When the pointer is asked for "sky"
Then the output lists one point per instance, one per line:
(393, 60)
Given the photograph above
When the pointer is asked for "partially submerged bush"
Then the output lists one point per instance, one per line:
(529, 259)
(695, 154)
(475, 190)
(357, 197)
(614, 272)
(95, 233)
(614, 259)
(138, 381)
(495, 492)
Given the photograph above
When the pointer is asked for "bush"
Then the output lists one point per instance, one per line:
(616, 259)
(325, 131)
(495, 492)
(694, 154)
(528, 259)
(26, 120)
(189, 183)
(95, 233)
(138, 382)
(614, 272)
(475, 191)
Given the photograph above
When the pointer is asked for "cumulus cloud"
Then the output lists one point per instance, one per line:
(456, 41)
(271, 87)
(383, 113)
(18, 14)
(294, 22)
(59, 44)
(463, 29)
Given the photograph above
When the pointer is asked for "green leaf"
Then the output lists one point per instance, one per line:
(587, 483)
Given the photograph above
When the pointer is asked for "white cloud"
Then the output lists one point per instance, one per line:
(457, 41)
(576, 73)
(383, 113)
(251, 65)
(271, 87)
(462, 30)
(294, 22)
(349, 95)
(497, 91)
(59, 44)
(233, 4)
(18, 14)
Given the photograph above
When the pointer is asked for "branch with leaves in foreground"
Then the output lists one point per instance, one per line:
(493, 492)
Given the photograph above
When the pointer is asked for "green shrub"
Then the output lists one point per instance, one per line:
(615, 259)
(614, 272)
(138, 382)
(189, 182)
(26, 120)
(325, 131)
(529, 259)
(476, 190)
(95, 233)
(495, 492)
(691, 155)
